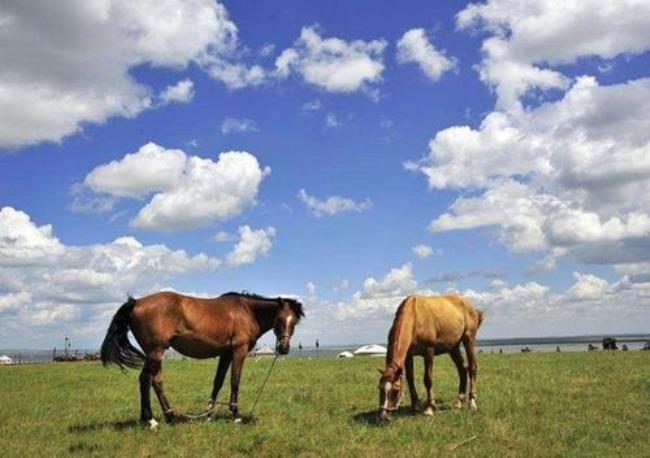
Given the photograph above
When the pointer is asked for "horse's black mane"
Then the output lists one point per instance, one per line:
(294, 303)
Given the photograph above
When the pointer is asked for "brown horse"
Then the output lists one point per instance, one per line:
(426, 326)
(227, 326)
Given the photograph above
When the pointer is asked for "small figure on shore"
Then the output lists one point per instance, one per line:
(500, 350)
(609, 343)
(591, 347)
(317, 345)
(557, 349)
(624, 347)
(300, 347)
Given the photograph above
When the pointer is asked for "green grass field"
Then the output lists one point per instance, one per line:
(567, 404)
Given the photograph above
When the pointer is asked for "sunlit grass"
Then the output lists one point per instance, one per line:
(567, 404)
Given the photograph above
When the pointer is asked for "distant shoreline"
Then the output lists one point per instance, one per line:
(557, 340)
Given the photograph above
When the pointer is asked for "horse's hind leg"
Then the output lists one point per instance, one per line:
(457, 357)
(145, 401)
(470, 342)
(428, 380)
(411, 382)
(154, 361)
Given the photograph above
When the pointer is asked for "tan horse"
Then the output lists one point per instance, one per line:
(227, 326)
(428, 326)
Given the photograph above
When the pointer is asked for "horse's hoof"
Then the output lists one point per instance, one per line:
(472, 406)
(428, 412)
(457, 405)
(237, 420)
(152, 424)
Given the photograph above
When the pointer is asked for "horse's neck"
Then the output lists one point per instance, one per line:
(264, 312)
(400, 339)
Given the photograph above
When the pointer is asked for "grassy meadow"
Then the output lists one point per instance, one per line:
(536, 404)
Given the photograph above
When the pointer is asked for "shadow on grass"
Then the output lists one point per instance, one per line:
(370, 417)
(181, 419)
(96, 426)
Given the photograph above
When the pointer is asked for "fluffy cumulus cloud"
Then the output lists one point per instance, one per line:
(573, 170)
(415, 47)
(53, 78)
(46, 284)
(181, 92)
(332, 205)
(188, 191)
(252, 243)
(588, 306)
(333, 64)
(528, 37)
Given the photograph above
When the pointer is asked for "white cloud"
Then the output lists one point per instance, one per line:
(332, 205)
(588, 287)
(343, 285)
(181, 92)
(311, 288)
(53, 78)
(415, 47)
(222, 236)
(189, 191)
(590, 306)
(313, 105)
(332, 63)
(332, 121)
(237, 75)
(398, 282)
(151, 168)
(424, 251)
(528, 35)
(237, 125)
(574, 174)
(252, 243)
(45, 283)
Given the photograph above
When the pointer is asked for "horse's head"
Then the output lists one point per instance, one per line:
(289, 314)
(390, 390)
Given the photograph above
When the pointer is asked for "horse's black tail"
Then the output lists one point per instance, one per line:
(117, 348)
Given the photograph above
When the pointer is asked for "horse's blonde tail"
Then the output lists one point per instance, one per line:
(481, 316)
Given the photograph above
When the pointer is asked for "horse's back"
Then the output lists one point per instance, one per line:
(196, 327)
(442, 320)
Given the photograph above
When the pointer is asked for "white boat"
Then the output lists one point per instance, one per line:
(370, 350)
(4, 359)
(345, 354)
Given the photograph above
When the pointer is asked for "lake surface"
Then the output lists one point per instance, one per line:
(538, 344)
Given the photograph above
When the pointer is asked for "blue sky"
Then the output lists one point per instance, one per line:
(512, 148)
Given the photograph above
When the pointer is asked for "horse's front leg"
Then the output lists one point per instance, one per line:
(428, 381)
(415, 403)
(219, 376)
(238, 357)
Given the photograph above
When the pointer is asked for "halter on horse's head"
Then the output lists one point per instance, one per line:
(289, 314)
(390, 390)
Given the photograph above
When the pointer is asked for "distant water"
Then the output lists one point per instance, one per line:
(541, 344)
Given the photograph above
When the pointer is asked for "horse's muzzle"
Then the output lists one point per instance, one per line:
(282, 347)
(384, 416)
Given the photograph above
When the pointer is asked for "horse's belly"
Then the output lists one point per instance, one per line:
(439, 348)
(197, 347)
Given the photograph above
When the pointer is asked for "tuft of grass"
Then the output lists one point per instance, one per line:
(535, 404)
